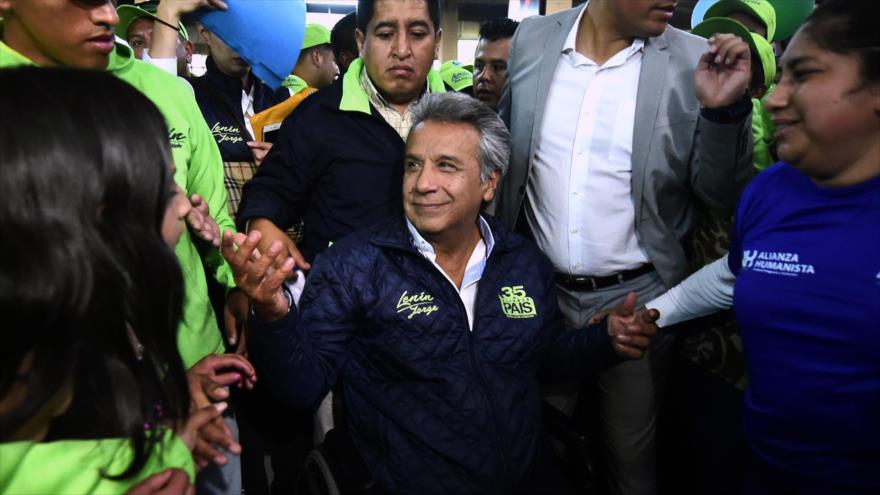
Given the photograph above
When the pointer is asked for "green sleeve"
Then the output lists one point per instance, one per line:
(78, 466)
(205, 178)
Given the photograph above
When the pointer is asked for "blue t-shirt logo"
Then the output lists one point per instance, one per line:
(775, 263)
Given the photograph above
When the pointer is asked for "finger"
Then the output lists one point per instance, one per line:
(259, 268)
(647, 329)
(196, 200)
(296, 255)
(179, 483)
(729, 49)
(204, 415)
(195, 219)
(208, 452)
(216, 436)
(221, 361)
(219, 4)
(246, 249)
(152, 484)
(627, 307)
(227, 245)
(626, 351)
(635, 341)
(230, 324)
(280, 275)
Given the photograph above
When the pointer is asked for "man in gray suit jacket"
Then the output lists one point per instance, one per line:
(619, 124)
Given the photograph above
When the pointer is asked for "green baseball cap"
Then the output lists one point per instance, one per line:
(456, 75)
(316, 34)
(141, 8)
(757, 44)
(761, 9)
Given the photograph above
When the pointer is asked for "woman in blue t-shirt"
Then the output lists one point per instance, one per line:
(804, 265)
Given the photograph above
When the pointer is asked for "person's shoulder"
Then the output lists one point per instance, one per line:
(684, 42)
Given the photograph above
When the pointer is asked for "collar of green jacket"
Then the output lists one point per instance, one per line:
(355, 99)
(11, 58)
(120, 59)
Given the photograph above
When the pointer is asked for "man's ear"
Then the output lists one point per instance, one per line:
(490, 186)
(5, 7)
(438, 42)
(359, 37)
(316, 57)
(189, 48)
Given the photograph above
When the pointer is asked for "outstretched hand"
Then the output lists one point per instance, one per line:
(209, 380)
(630, 329)
(201, 223)
(259, 276)
(724, 71)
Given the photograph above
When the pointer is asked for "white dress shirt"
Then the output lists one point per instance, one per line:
(472, 273)
(580, 188)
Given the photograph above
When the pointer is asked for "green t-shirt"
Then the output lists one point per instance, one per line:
(199, 171)
(75, 466)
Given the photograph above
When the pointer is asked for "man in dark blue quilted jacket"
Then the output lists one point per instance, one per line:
(440, 323)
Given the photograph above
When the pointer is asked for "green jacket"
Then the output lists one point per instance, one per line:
(75, 466)
(199, 171)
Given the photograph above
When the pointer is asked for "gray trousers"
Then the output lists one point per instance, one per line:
(629, 393)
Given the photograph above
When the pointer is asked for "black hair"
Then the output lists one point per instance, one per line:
(342, 37)
(848, 27)
(85, 180)
(495, 29)
(365, 10)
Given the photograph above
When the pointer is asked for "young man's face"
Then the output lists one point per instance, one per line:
(227, 60)
(72, 33)
(442, 188)
(140, 35)
(640, 18)
(490, 70)
(399, 47)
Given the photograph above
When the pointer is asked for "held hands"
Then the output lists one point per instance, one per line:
(723, 73)
(201, 223)
(259, 276)
(630, 329)
(209, 380)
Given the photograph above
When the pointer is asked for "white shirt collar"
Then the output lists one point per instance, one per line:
(569, 46)
(477, 262)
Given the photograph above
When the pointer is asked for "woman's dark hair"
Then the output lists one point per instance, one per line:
(85, 180)
(848, 27)
(366, 8)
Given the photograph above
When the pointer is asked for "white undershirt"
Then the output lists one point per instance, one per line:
(473, 271)
(705, 292)
(580, 189)
(247, 108)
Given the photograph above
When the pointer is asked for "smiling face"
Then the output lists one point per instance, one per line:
(399, 47)
(442, 190)
(490, 70)
(827, 118)
(71, 33)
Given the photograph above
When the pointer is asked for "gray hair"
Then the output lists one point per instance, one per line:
(453, 108)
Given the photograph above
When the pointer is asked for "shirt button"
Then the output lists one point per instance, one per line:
(574, 231)
(575, 193)
(580, 152)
